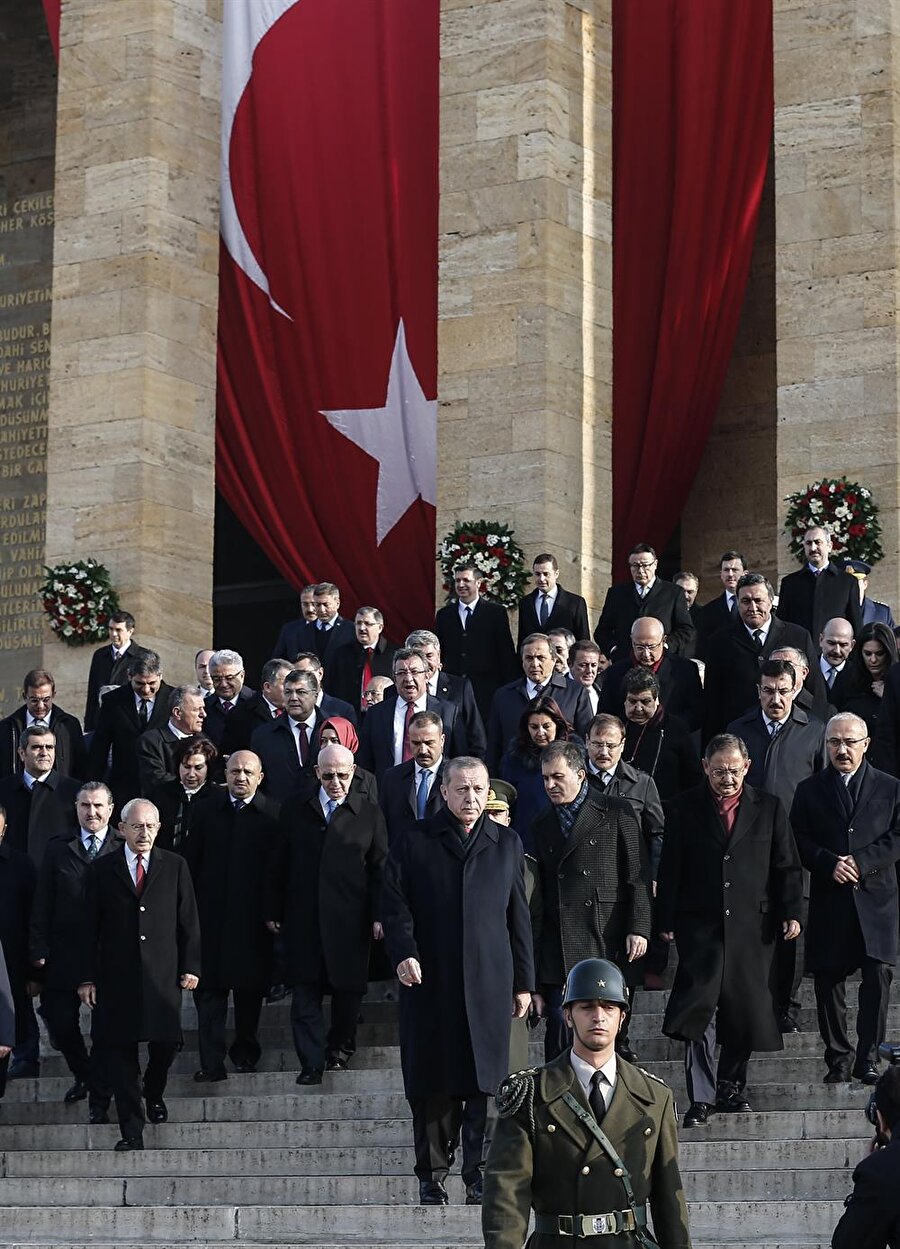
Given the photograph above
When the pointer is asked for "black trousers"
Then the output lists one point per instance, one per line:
(871, 1022)
(438, 1123)
(212, 1013)
(124, 1069)
(60, 1009)
(312, 1044)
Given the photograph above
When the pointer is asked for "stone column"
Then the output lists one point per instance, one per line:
(525, 331)
(130, 471)
(837, 72)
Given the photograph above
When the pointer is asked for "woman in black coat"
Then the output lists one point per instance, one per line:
(873, 655)
(659, 744)
(179, 800)
(541, 723)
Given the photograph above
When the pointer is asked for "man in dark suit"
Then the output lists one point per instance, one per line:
(288, 745)
(820, 590)
(291, 637)
(327, 704)
(324, 897)
(810, 693)
(872, 611)
(721, 610)
(326, 634)
(655, 741)
(451, 688)
(264, 706)
(187, 712)
(475, 638)
(730, 888)
(355, 663)
(38, 693)
(141, 947)
(680, 689)
(125, 714)
(786, 746)
(585, 669)
(226, 671)
(39, 803)
(734, 654)
(411, 791)
(846, 820)
(110, 664)
(836, 642)
(610, 774)
(539, 678)
(549, 606)
(458, 932)
(644, 595)
(591, 882)
(384, 740)
(232, 838)
(690, 588)
(57, 930)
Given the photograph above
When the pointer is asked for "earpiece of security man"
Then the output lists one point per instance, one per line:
(588, 1141)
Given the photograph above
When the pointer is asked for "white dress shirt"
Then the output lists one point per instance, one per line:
(400, 723)
(177, 731)
(763, 631)
(464, 609)
(585, 1074)
(310, 723)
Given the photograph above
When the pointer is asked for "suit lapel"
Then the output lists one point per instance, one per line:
(748, 811)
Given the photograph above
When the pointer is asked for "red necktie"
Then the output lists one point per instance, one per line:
(139, 876)
(407, 749)
(366, 677)
(276, 712)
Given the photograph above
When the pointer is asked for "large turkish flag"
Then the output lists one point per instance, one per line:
(327, 364)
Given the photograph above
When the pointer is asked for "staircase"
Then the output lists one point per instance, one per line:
(258, 1161)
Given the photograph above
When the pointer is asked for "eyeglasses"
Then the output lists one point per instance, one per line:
(143, 828)
(335, 776)
(770, 690)
(643, 566)
(648, 647)
(609, 747)
(836, 742)
(409, 672)
(721, 773)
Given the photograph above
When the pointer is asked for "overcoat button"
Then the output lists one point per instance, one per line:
(585, 872)
(727, 913)
(648, 1131)
(588, 903)
(142, 908)
(143, 938)
(618, 1173)
(585, 1170)
(551, 1127)
(593, 841)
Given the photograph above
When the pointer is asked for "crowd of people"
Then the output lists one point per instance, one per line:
(475, 818)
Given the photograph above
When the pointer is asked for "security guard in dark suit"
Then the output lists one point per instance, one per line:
(872, 1216)
(588, 1141)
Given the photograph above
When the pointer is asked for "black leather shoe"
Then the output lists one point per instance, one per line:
(309, 1075)
(77, 1093)
(128, 1142)
(98, 1116)
(787, 1025)
(23, 1071)
(474, 1193)
(336, 1064)
(867, 1074)
(733, 1102)
(697, 1115)
(245, 1069)
(276, 993)
(209, 1077)
(432, 1193)
(157, 1112)
(836, 1075)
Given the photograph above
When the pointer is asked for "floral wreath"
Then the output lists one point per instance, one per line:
(846, 509)
(494, 552)
(78, 600)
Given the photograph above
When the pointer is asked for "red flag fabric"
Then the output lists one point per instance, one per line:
(692, 126)
(52, 13)
(327, 363)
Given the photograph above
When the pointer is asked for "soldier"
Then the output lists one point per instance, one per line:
(616, 1149)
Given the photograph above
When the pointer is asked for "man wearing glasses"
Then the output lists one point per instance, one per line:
(644, 595)
(680, 691)
(384, 741)
(729, 888)
(846, 820)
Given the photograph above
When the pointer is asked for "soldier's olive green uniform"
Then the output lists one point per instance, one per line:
(544, 1158)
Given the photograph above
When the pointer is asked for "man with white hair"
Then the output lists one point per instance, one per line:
(226, 671)
(846, 820)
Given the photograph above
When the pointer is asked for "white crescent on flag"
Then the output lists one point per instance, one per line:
(245, 23)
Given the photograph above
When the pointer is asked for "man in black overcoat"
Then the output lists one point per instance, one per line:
(819, 591)
(549, 606)
(323, 895)
(729, 888)
(124, 715)
(141, 947)
(262, 708)
(722, 609)
(353, 664)
(39, 802)
(401, 796)
(592, 878)
(228, 850)
(458, 931)
(644, 595)
(475, 638)
(846, 820)
(288, 744)
(449, 687)
(38, 693)
(156, 747)
(110, 664)
(57, 930)
(733, 655)
(680, 689)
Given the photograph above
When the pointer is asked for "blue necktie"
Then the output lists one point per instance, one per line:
(329, 810)
(422, 795)
(545, 609)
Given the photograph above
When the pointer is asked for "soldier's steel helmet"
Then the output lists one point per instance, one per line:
(595, 978)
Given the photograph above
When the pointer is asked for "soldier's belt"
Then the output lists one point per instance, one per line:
(582, 1225)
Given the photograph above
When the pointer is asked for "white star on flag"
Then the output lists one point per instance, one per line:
(401, 436)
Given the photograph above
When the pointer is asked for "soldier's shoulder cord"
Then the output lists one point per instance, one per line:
(651, 1076)
(516, 1091)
